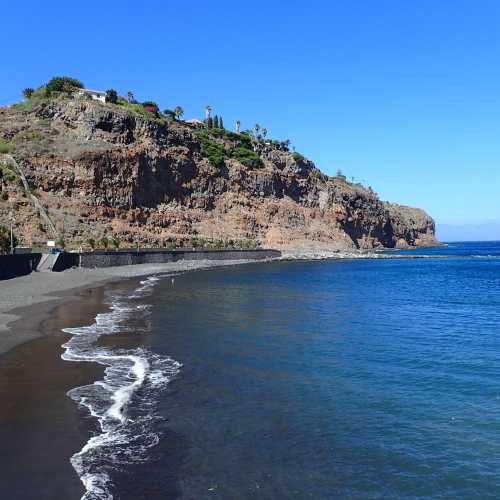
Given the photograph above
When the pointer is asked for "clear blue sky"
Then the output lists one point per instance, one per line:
(404, 95)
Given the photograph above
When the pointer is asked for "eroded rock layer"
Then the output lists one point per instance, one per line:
(100, 169)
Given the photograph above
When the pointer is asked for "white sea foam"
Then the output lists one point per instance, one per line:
(131, 375)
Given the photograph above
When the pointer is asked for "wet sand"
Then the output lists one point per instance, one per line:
(40, 427)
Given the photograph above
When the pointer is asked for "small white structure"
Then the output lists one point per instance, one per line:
(195, 122)
(96, 95)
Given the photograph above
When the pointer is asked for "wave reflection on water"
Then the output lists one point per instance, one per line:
(130, 374)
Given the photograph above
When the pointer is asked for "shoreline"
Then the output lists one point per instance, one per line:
(27, 301)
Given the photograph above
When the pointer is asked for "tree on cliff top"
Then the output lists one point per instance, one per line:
(28, 92)
(63, 84)
(178, 111)
(111, 96)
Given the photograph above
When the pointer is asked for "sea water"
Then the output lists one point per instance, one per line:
(375, 378)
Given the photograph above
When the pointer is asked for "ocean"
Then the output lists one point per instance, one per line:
(367, 378)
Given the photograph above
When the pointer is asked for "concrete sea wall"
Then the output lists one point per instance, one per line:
(130, 257)
(15, 265)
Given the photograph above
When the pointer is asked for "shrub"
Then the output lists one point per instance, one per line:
(4, 196)
(214, 152)
(318, 174)
(169, 113)
(210, 149)
(116, 242)
(243, 140)
(298, 157)
(63, 84)
(29, 136)
(247, 157)
(5, 240)
(151, 107)
(248, 244)
(4, 147)
(111, 96)
(91, 243)
(104, 242)
(8, 175)
(233, 136)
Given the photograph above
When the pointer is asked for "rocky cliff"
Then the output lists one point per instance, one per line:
(102, 169)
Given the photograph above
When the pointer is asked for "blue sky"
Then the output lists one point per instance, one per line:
(404, 96)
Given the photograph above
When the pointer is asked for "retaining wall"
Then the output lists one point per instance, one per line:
(132, 257)
(12, 266)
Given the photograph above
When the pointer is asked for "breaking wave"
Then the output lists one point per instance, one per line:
(136, 375)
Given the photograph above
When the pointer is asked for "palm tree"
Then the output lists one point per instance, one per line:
(257, 128)
(264, 132)
(116, 242)
(238, 125)
(104, 243)
(130, 96)
(178, 112)
(208, 111)
(28, 92)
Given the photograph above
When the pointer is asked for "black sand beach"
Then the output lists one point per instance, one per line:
(40, 426)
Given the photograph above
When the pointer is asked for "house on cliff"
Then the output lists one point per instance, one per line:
(95, 95)
(195, 122)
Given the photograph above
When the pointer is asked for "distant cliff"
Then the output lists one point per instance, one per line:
(100, 169)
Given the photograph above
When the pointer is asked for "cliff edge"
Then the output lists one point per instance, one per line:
(101, 169)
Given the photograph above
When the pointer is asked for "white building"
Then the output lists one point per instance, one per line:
(195, 122)
(96, 95)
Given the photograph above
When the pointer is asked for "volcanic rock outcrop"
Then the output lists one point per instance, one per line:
(101, 170)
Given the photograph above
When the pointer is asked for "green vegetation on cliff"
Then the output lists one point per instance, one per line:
(5, 147)
(5, 242)
(210, 149)
(247, 157)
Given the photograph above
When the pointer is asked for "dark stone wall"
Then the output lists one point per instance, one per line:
(131, 257)
(12, 266)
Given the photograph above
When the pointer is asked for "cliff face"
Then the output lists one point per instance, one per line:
(101, 169)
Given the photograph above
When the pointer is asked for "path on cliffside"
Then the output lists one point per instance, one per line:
(10, 161)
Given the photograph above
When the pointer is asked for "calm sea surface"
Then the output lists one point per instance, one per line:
(334, 379)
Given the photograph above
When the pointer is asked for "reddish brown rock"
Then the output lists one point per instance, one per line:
(101, 170)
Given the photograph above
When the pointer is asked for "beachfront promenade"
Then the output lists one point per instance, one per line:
(23, 264)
